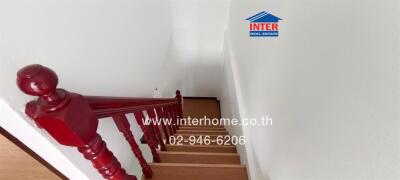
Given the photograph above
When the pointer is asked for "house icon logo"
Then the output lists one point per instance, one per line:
(264, 24)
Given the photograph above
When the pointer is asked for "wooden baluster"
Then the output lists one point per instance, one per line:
(154, 134)
(176, 115)
(147, 134)
(152, 116)
(166, 120)
(152, 131)
(123, 126)
(173, 116)
(68, 119)
(161, 116)
(179, 98)
(167, 113)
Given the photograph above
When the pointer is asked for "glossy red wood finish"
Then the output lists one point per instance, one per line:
(168, 118)
(176, 115)
(147, 134)
(160, 116)
(108, 106)
(170, 110)
(67, 118)
(103, 160)
(72, 119)
(123, 126)
(152, 115)
(173, 117)
(179, 99)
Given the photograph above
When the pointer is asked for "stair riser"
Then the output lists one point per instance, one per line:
(201, 126)
(202, 132)
(213, 149)
(198, 173)
(186, 136)
(187, 142)
(200, 159)
(202, 129)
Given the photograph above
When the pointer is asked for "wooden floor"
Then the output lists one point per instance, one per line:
(198, 108)
(17, 164)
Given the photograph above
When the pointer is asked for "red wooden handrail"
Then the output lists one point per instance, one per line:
(107, 106)
(72, 119)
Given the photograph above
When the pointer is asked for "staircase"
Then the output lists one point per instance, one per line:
(199, 162)
(72, 120)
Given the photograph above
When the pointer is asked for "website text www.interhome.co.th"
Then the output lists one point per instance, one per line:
(205, 121)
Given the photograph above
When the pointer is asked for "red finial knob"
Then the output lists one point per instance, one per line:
(37, 80)
(178, 96)
(178, 93)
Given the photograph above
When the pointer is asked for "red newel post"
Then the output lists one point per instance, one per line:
(124, 127)
(147, 134)
(68, 119)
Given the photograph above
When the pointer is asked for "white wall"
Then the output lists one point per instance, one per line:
(108, 48)
(96, 47)
(232, 106)
(330, 83)
(229, 100)
(195, 56)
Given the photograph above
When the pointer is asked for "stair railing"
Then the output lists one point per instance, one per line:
(72, 120)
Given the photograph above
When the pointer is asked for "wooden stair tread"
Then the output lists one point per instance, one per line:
(185, 171)
(205, 146)
(198, 165)
(196, 135)
(186, 141)
(199, 157)
(198, 153)
(212, 136)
